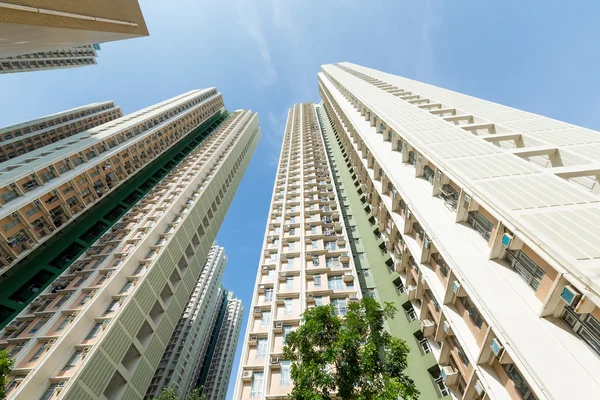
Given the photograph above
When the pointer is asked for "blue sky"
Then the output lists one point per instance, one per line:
(541, 56)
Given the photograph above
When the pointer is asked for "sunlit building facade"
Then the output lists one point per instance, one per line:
(62, 196)
(100, 329)
(190, 341)
(305, 259)
(490, 221)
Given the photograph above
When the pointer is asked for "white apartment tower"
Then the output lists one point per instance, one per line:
(191, 338)
(492, 218)
(225, 338)
(99, 330)
(305, 258)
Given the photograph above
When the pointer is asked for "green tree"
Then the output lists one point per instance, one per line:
(171, 393)
(6, 364)
(352, 356)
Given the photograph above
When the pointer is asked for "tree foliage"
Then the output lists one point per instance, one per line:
(6, 364)
(171, 393)
(352, 357)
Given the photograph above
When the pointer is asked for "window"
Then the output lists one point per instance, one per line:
(290, 262)
(72, 361)
(361, 256)
(314, 244)
(94, 332)
(474, 314)
(286, 331)
(289, 283)
(461, 352)
(40, 352)
(271, 275)
(257, 385)
(112, 307)
(38, 325)
(313, 230)
(268, 295)
(524, 266)
(265, 318)
(292, 231)
(49, 393)
(318, 300)
(261, 348)
(62, 325)
(317, 280)
(335, 283)
(443, 267)
(520, 383)
(84, 299)
(586, 326)
(126, 287)
(331, 262)
(339, 306)
(480, 224)
(287, 306)
(285, 378)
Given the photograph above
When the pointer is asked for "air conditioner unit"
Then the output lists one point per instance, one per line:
(261, 289)
(15, 215)
(446, 327)
(253, 340)
(278, 327)
(479, 388)
(36, 202)
(496, 347)
(257, 311)
(427, 327)
(75, 313)
(274, 361)
(457, 289)
(570, 295)
(412, 292)
(61, 384)
(13, 185)
(353, 298)
(507, 239)
(438, 175)
(105, 322)
(426, 243)
(467, 199)
(408, 214)
(419, 159)
(247, 375)
(449, 375)
(51, 341)
(310, 297)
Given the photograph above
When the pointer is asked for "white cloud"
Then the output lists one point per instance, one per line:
(248, 17)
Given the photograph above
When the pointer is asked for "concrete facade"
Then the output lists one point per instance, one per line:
(34, 26)
(305, 259)
(190, 340)
(58, 58)
(100, 330)
(219, 358)
(489, 218)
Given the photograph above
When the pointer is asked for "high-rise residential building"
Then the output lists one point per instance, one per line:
(488, 224)
(37, 26)
(191, 338)
(100, 329)
(305, 259)
(22, 138)
(64, 195)
(52, 59)
(218, 362)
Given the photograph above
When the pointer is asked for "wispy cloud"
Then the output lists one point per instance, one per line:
(433, 17)
(249, 18)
